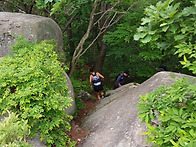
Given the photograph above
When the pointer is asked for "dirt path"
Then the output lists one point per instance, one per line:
(77, 133)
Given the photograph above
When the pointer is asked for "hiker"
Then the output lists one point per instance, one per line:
(95, 80)
(120, 80)
(162, 68)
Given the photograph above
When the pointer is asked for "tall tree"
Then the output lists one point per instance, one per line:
(103, 15)
(126, 53)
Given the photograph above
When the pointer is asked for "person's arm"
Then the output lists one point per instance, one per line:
(90, 81)
(99, 75)
(118, 80)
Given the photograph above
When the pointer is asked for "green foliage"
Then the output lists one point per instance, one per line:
(79, 106)
(174, 107)
(162, 27)
(33, 85)
(124, 52)
(13, 131)
(188, 52)
(70, 4)
(79, 84)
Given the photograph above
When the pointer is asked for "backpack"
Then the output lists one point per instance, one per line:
(117, 77)
(95, 78)
(122, 76)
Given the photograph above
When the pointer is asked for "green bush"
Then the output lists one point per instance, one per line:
(33, 85)
(175, 108)
(13, 132)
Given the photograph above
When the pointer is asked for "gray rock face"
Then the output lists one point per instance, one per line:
(32, 27)
(85, 96)
(114, 121)
(70, 110)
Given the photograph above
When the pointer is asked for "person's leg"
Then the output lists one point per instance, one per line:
(96, 89)
(102, 94)
(98, 96)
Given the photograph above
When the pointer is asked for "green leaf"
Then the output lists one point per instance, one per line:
(46, 1)
(193, 133)
(145, 20)
(174, 144)
(179, 37)
(193, 124)
(146, 133)
(173, 28)
(165, 28)
(142, 115)
(139, 35)
(163, 24)
(164, 118)
(146, 119)
(185, 60)
(170, 129)
(175, 111)
(146, 39)
(172, 14)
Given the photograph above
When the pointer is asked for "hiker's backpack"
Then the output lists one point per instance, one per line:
(96, 80)
(117, 77)
(122, 77)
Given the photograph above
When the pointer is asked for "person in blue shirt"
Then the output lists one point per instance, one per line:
(121, 79)
(95, 80)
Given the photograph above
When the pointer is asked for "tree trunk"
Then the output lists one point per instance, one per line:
(79, 49)
(101, 56)
(104, 22)
(102, 47)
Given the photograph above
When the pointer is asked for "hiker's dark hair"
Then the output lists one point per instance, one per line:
(127, 72)
(91, 69)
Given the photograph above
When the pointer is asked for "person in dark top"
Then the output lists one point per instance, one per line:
(121, 79)
(95, 80)
(162, 68)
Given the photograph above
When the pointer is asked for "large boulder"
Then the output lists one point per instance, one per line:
(70, 110)
(114, 121)
(32, 27)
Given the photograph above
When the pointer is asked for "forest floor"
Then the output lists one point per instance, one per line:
(77, 133)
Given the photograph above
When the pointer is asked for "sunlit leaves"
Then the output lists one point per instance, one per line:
(33, 84)
(13, 131)
(163, 25)
(188, 51)
(174, 110)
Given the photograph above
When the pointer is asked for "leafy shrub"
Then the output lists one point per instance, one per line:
(33, 85)
(79, 106)
(13, 132)
(79, 85)
(175, 108)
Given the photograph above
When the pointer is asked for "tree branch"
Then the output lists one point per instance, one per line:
(68, 23)
(108, 10)
(79, 48)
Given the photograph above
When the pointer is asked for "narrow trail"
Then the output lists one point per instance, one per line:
(77, 133)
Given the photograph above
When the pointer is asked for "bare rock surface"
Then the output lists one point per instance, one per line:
(114, 121)
(32, 27)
